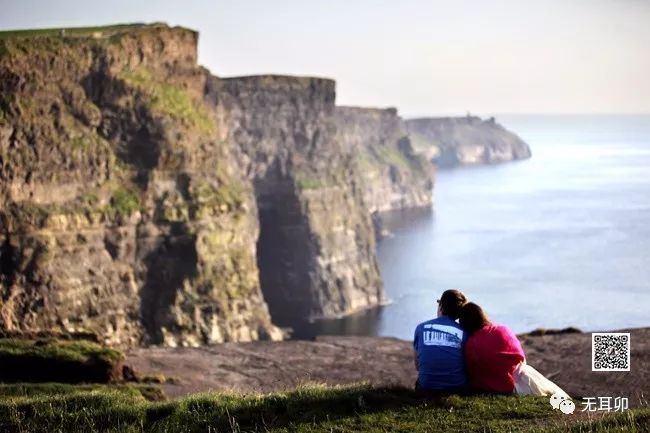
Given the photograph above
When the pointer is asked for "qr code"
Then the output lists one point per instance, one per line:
(610, 351)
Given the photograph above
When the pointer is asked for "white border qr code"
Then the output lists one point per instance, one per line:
(622, 337)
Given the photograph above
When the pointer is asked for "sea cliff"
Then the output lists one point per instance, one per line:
(393, 175)
(146, 201)
(316, 249)
(123, 210)
(469, 140)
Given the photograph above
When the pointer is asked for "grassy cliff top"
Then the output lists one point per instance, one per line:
(100, 31)
(53, 349)
(357, 408)
(266, 81)
(361, 110)
(52, 360)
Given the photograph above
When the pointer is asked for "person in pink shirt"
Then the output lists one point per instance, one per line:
(492, 352)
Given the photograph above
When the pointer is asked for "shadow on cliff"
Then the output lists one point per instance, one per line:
(170, 260)
(130, 128)
(8, 264)
(283, 256)
(171, 257)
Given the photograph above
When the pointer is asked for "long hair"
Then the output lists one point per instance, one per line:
(472, 318)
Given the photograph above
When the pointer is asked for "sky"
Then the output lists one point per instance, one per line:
(425, 57)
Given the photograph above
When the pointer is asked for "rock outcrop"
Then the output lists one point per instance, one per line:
(469, 140)
(123, 211)
(392, 175)
(262, 367)
(147, 202)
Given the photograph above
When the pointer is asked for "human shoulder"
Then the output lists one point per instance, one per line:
(444, 320)
(426, 322)
(501, 329)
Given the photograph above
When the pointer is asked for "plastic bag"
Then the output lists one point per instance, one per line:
(529, 381)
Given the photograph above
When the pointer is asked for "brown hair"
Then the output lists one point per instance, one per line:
(472, 318)
(451, 302)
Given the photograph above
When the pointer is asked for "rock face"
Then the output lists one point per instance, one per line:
(392, 175)
(147, 202)
(452, 141)
(316, 250)
(123, 211)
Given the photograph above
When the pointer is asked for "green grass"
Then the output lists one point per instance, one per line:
(66, 350)
(305, 179)
(382, 155)
(170, 99)
(391, 156)
(355, 408)
(78, 31)
(50, 359)
(35, 391)
(309, 183)
(124, 202)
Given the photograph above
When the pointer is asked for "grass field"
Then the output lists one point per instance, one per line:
(356, 408)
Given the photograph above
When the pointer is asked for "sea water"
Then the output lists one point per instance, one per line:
(561, 239)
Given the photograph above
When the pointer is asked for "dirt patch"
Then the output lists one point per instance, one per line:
(566, 359)
(268, 366)
(271, 366)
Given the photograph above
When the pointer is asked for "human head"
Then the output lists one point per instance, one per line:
(472, 318)
(450, 303)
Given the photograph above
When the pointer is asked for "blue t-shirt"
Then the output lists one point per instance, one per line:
(439, 345)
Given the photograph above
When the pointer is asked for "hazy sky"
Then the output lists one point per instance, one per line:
(423, 56)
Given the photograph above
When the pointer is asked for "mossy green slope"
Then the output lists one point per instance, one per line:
(49, 359)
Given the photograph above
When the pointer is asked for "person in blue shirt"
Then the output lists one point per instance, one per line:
(438, 345)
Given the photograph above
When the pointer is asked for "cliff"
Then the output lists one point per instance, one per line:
(316, 249)
(469, 140)
(148, 202)
(123, 212)
(392, 175)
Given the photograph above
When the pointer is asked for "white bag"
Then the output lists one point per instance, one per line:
(529, 381)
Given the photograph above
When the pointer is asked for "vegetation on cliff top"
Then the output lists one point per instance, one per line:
(357, 408)
(170, 99)
(68, 31)
(49, 359)
(66, 350)
(387, 155)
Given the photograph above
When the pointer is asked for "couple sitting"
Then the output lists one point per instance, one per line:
(474, 355)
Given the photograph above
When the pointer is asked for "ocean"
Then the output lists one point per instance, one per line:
(561, 239)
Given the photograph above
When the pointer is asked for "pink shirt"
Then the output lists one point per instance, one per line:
(491, 356)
